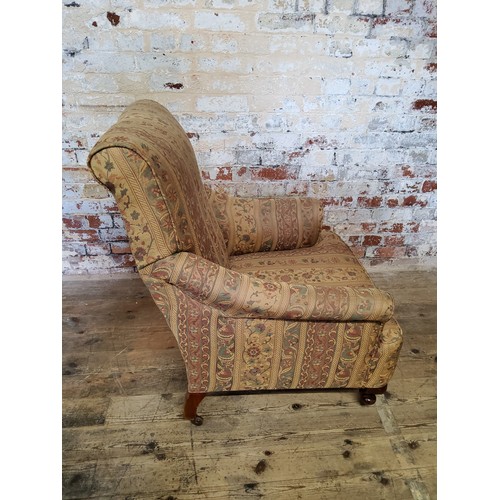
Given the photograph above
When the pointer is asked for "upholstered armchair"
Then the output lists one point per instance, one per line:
(257, 296)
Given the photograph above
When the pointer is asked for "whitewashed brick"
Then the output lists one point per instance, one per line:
(169, 3)
(155, 61)
(107, 62)
(281, 6)
(163, 42)
(218, 21)
(423, 49)
(369, 7)
(224, 43)
(222, 4)
(398, 7)
(314, 6)
(425, 8)
(342, 6)
(337, 86)
(388, 86)
(341, 48)
(226, 103)
(286, 22)
(233, 65)
(341, 25)
(362, 86)
(319, 94)
(147, 20)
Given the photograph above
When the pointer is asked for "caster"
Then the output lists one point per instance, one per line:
(368, 399)
(197, 420)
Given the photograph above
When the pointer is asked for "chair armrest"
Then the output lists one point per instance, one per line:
(266, 224)
(237, 294)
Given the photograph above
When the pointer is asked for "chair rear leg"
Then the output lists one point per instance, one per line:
(367, 395)
(193, 399)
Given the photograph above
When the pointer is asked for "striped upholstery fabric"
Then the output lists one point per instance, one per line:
(148, 163)
(255, 294)
(266, 224)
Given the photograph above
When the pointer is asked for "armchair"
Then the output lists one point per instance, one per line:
(257, 296)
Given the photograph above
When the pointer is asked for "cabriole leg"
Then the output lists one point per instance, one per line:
(193, 399)
(367, 396)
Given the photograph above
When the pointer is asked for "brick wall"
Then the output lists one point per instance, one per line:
(334, 99)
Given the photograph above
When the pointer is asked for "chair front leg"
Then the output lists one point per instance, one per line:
(193, 399)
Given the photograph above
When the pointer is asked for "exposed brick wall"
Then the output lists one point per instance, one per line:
(329, 98)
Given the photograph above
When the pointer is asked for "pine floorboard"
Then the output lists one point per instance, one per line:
(123, 386)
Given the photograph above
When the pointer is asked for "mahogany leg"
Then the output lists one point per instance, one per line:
(193, 399)
(367, 396)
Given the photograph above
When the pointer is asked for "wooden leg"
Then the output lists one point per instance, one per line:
(367, 396)
(193, 399)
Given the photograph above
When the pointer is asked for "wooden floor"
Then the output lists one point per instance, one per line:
(124, 437)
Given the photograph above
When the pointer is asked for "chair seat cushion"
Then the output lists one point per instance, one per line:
(329, 262)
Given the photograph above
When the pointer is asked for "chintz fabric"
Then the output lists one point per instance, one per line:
(257, 296)
(148, 163)
(266, 224)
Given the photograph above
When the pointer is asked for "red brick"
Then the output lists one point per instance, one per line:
(72, 222)
(413, 227)
(368, 226)
(429, 186)
(389, 252)
(273, 173)
(99, 222)
(224, 174)
(395, 228)
(120, 247)
(372, 240)
(425, 104)
(365, 202)
(331, 202)
(394, 241)
(407, 171)
(431, 31)
(298, 154)
(410, 201)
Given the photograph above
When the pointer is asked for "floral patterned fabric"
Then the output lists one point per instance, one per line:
(238, 294)
(255, 295)
(330, 262)
(148, 163)
(224, 353)
(266, 224)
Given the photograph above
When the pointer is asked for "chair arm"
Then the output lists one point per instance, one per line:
(266, 224)
(237, 294)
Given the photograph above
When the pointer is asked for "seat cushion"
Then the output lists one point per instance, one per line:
(329, 262)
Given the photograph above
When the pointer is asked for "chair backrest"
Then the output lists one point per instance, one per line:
(146, 160)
